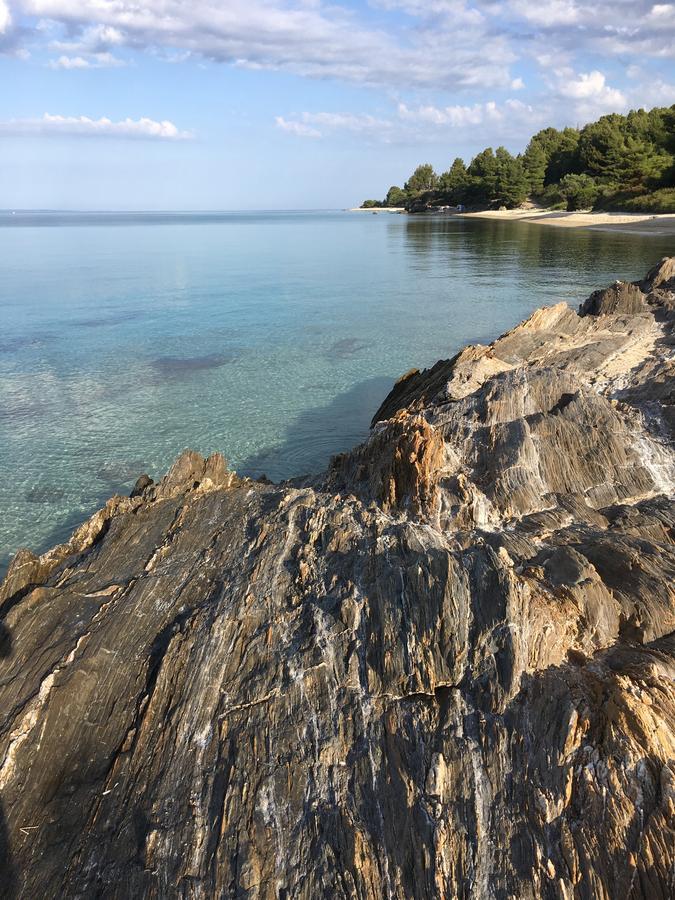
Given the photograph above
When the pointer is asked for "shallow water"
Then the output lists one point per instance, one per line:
(271, 337)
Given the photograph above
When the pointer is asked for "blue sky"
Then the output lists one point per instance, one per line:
(271, 104)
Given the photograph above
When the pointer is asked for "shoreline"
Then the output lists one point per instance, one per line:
(657, 224)
(630, 223)
(377, 209)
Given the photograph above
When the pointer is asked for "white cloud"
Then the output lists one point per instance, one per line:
(299, 129)
(70, 62)
(418, 124)
(517, 84)
(5, 17)
(455, 116)
(95, 61)
(92, 40)
(360, 122)
(458, 117)
(662, 11)
(456, 11)
(548, 12)
(598, 27)
(592, 86)
(585, 96)
(87, 127)
(314, 125)
(655, 92)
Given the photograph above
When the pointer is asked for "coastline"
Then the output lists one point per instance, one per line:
(631, 223)
(377, 209)
(662, 224)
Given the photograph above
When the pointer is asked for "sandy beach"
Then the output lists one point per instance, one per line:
(632, 223)
(378, 209)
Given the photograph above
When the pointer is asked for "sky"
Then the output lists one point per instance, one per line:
(299, 104)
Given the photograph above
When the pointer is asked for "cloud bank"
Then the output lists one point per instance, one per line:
(447, 43)
(565, 57)
(416, 123)
(307, 38)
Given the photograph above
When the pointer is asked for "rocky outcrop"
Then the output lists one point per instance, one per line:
(621, 297)
(444, 668)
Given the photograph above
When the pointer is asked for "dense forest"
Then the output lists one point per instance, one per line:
(619, 162)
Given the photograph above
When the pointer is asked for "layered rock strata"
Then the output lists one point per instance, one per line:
(443, 668)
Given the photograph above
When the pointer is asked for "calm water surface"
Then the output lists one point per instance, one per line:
(271, 337)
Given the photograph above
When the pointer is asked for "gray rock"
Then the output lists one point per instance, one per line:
(142, 482)
(619, 298)
(662, 275)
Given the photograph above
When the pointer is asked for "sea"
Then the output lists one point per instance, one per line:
(269, 336)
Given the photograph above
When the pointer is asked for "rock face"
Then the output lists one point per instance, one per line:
(444, 668)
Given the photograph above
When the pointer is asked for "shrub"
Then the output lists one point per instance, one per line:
(580, 191)
(661, 201)
(551, 197)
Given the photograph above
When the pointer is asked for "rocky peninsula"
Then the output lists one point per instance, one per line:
(442, 668)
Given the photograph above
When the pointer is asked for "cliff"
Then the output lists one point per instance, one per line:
(443, 668)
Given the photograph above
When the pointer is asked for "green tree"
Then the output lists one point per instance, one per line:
(548, 141)
(512, 186)
(535, 160)
(422, 179)
(371, 204)
(396, 196)
(453, 182)
(564, 157)
(625, 150)
(643, 163)
(482, 187)
(650, 126)
(668, 118)
(601, 145)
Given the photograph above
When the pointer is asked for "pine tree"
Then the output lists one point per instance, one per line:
(482, 172)
(422, 179)
(453, 182)
(564, 157)
(512, 185)
(535, 161)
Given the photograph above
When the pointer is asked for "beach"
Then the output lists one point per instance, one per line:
(378, 209)
(662, 224)
(631, 223)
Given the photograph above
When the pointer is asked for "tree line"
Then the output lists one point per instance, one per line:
(622, 162)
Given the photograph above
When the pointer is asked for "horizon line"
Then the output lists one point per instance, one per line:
(19, 210)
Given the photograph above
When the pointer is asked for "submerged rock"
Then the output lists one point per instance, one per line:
(444, 668)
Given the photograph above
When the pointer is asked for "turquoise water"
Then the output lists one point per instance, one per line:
(270, 337)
